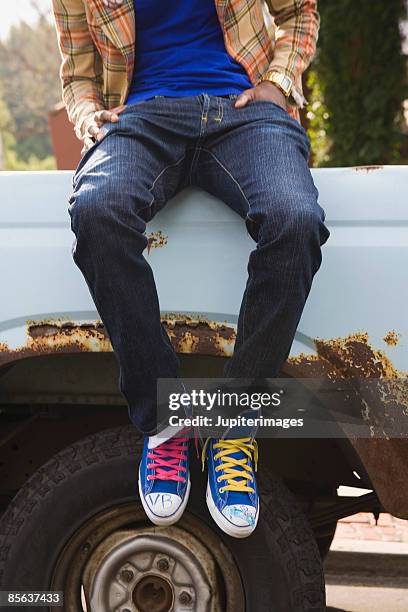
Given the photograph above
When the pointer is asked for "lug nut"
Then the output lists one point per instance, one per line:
(163, 565)
(185, 598)
(127, 576)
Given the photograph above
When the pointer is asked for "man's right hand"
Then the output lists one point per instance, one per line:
(112, 3)
(98, 119)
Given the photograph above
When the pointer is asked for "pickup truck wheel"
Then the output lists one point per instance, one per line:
(324, 538)
(78, 526)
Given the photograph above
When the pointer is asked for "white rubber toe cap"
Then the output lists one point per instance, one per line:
(237, 520)
(241, 515)
(163, 504)
(164, 508)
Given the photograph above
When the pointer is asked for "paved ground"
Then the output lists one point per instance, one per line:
(366, 599)
(367, 576)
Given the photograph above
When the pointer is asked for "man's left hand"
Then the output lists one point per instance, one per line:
(263, 91)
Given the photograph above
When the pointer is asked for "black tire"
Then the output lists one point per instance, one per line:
(279, 565)
(324, 538)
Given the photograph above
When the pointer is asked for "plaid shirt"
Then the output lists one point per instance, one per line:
(97, 46)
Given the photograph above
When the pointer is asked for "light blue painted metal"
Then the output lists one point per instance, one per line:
(362, 286)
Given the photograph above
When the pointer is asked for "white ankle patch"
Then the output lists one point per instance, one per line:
(163, 436)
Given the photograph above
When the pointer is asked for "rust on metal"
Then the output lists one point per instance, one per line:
(187, 334)
(349, 357)
(382, 404)
(199, 335)
(49, 337)
(156, 240)
(368, 168)
(392, 338)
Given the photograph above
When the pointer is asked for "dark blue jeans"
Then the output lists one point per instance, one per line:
(255, 160)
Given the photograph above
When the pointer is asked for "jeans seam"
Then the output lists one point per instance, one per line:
(229, 174)
(203, 120)
(177, 163)
(246, 200)
(244, 308)
(220, 113)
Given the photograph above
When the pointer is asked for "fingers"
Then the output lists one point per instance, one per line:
(105, 116)
(88, 142)
(112, 3)
(100, 135)
(262, 92)
(94, 131)
(244, 98)
(100, 118)
(118, 109)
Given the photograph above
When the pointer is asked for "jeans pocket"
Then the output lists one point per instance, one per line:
(270, 102)
(104, 129)
(86, 155)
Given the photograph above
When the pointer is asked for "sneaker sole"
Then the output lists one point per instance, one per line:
(224, 524)
(164, 520)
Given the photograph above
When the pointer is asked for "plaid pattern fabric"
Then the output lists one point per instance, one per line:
(97, 46)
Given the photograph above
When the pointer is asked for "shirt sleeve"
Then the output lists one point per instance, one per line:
(296, 32)
(81, 66)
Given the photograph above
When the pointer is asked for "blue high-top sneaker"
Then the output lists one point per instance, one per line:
(232, 492)
(164, 480)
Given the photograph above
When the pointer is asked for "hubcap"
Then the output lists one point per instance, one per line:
(153, 594)
(116, 562)
(123, 572)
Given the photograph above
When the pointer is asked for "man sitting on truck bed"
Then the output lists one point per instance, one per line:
(205, 93)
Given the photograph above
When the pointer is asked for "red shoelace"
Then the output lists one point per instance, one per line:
(166, 459)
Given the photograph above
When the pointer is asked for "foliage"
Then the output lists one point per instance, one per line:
(318, 118)
(358, 83)
(6, 121)
(29, 64)
(13, 162)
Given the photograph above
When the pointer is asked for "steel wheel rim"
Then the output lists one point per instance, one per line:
(186, 560)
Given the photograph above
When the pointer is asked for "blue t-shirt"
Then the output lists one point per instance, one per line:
(180, 51)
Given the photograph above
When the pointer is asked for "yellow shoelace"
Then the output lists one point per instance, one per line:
(237, 472)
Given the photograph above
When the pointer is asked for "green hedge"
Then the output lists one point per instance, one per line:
(357, 83)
